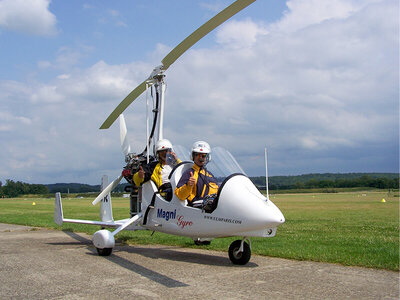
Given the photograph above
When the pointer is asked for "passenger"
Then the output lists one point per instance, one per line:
(197, 183)
(159, 170)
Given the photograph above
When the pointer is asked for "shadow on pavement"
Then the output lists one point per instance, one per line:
(168, 253)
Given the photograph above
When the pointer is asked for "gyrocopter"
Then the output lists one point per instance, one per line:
(239, 209)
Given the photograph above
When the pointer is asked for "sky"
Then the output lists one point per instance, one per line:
(316, 82)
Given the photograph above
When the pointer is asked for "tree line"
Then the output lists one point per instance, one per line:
(380, 181)
(14, 189)
(308, 181)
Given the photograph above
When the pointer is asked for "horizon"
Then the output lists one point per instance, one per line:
(95, 184)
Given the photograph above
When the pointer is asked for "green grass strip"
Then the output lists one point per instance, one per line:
(353, 229)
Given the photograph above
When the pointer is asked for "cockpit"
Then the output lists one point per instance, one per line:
(222, 165)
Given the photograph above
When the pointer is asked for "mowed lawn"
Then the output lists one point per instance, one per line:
(354, 229)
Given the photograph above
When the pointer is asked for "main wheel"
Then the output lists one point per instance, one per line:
(104, 251)
(239, 258)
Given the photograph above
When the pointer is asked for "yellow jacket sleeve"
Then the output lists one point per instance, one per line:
(137, 180)
(184, 192)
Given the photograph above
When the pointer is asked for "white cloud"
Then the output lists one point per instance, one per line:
(64, 76)
(213, 7)
(47, 93)
(317, 93)
(30, 17)
(240, 34)
(55, 125)
(43, 64)
(10, 122)
(102, 82)
(305, 13)
(67, 57)
(318, 86)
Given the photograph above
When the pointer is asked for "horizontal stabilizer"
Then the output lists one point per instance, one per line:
(120, 223)
(89, 222)
(59, 218)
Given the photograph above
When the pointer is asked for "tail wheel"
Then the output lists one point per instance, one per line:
(239, 258)
(104, 251)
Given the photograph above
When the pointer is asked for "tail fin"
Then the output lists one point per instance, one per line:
(58, 213)
(105, 207)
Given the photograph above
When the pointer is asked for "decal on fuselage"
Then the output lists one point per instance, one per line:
(166, 214)
(183, 223)
(171, 215)
(220, 219)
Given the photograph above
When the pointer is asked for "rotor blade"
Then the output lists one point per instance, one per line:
(203, 30)
(126, 148)
(108, 189)
(123, 105)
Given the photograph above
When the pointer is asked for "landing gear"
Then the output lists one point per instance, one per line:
(104, 242)
(136, 200)
(202, 241)
(104, 251)
(239, 252)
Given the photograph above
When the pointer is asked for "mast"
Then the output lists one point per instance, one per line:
(266, 173)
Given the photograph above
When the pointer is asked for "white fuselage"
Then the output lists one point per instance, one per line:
(241, 210)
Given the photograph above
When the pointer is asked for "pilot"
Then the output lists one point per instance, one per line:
(196, 183)
(159, 170)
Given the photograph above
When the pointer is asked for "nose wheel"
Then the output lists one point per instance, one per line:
(104, 251)
(239, 252)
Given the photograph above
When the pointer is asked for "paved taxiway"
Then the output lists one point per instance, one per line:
(49, 264)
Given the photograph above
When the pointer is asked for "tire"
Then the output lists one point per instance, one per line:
(104, 251)
(239, 258)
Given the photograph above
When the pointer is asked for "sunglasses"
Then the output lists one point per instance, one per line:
(164, 150)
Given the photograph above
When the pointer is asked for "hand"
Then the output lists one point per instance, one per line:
(192, 180)
(141, 172)
(126, 172)
(174, 155)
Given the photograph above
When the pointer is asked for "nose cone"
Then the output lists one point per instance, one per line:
(273, 216)
(240, 199)
(280, 218)
(265, 213)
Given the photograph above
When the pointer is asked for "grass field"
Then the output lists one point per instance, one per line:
(354, 229)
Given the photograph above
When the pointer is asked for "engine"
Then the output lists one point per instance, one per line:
(133, 162)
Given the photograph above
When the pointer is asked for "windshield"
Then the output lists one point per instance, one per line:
(182, 153)
(222, 162)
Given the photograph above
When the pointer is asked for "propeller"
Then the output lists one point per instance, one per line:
(126, 147)
(172, 56)
(108, 189)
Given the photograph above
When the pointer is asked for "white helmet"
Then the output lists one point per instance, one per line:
(201, 147)
(163, 145)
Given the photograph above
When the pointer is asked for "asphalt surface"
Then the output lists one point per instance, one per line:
(48, 264)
